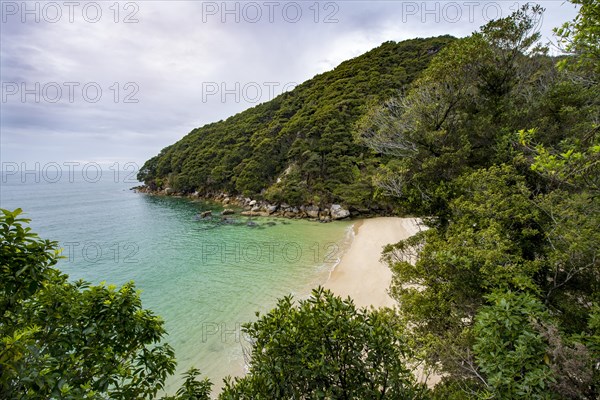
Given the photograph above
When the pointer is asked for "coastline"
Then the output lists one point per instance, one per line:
(248, 207)
(360, 274)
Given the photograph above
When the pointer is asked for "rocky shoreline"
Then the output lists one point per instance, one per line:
(259, 208)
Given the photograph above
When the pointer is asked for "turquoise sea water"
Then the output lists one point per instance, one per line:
(204, 277)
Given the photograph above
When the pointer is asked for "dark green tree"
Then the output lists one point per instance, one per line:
(459, 111)
(509, 348)
(325, 348)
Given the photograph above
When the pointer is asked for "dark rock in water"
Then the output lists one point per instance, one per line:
(205, 214)
(270, 223)
(228, 211)
(251, 223)
(228, 221)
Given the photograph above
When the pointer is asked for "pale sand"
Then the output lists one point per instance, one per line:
(360, 273)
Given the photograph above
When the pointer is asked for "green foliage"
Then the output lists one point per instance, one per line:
(574, 161)
(510, 350)
(490, 142)
(192, 388)
(581, 38)
(26, 261)
(459, 112)
(570, 280)
(325, 348)
(309, 130)
(498, 150)
(487, 244)
(73, 340)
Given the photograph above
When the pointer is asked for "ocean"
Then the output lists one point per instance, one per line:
(205, 278)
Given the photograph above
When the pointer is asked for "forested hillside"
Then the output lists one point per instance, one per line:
(300, 146)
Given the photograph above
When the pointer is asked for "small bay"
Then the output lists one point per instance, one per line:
(203, 277)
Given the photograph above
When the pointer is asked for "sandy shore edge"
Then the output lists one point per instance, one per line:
(360, 274)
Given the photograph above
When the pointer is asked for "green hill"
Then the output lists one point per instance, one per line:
(300, 147)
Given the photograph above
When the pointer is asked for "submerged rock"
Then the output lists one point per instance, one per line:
(254, 214)
(205, 214)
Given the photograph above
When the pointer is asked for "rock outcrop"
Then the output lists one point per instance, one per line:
(256, 208)
(312, 211)
(271, 209)
(337, 212)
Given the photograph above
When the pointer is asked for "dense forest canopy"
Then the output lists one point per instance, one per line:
(498, 147)
(300, 147)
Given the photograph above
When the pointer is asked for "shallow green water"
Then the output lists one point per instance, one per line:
(205, 278)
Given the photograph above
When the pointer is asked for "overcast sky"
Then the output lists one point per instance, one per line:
(108, 82)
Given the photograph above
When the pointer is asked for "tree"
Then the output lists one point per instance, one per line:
(324, 347)
(442, 275)
(574, 162)
(458, 112)
(192, 388)
(581, 38)
(73, 340)
(509, 349)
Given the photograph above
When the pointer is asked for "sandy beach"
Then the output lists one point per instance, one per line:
(360, 274)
